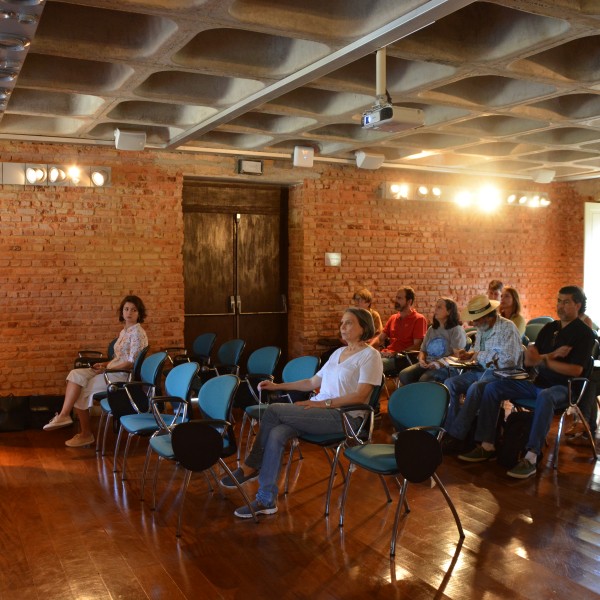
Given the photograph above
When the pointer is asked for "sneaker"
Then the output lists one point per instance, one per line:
(228, 483)
(57, 422)
(244, 512)
(478, 454)
(80, 440)
(522, 470)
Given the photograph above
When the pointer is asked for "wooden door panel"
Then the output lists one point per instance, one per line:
(259, 284)
(208, 263)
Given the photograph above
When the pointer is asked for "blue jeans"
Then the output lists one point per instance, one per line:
(460, 385)
(418, 373)
(279, 424)
(547, 400)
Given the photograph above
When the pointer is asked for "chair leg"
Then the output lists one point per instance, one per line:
(386, 489)
(108, 422)
(588, 431)
(240, 488)
(401, 502)
(251, 432)
(125, 454)
(288, 467)
(186, 483)
(557, 441)
(351, 468)
(153, 507)
(241, 436)
(99, 434)
(334, 466)
(117, 444)
(442, 489)
(145, 471)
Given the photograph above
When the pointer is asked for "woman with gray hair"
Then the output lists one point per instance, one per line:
(348, 377)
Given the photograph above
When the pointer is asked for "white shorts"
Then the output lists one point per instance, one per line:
(91, 382)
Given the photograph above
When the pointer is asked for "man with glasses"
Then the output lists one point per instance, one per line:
(561, 351)
(497, 346)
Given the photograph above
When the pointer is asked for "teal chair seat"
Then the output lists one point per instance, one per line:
(162, 446)
(145, 423)
(378, 458)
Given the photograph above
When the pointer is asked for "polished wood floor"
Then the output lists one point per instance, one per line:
(69, 529)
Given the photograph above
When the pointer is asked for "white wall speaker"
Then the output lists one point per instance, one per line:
(366, 160)
(303, 156)
(543, 175)
(129, 140)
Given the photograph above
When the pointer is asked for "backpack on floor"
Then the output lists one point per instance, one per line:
(514, 438)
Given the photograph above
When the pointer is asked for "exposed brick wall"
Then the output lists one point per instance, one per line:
(438, 249)
(68, 255)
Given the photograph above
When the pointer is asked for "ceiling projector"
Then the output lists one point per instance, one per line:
(392, 119)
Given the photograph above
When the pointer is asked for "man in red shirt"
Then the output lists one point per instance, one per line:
(404, 331)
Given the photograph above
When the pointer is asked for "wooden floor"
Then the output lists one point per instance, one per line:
(69, 529)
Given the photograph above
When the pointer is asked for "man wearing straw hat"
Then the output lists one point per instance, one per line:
(497, 346)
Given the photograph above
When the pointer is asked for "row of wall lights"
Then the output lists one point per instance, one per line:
(487, 198)
(54, 175)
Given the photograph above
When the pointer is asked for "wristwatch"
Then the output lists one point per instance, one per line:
(328, 403)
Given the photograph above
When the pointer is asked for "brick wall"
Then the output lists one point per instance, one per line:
(438, 249)
(68, 255)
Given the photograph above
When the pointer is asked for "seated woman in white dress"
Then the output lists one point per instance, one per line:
(445, 337)
(82, 384)
(348, 377)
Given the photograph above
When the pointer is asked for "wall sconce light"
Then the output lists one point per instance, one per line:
(487, 198)
(54, 175)
(333, 259)
(36, 174)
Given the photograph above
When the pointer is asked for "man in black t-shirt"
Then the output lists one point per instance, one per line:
(561, 351)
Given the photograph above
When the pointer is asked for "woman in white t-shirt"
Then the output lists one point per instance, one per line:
(348, 377)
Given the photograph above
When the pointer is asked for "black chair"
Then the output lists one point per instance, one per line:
(87, 358)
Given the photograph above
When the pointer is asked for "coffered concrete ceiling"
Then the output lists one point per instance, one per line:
(507, 88)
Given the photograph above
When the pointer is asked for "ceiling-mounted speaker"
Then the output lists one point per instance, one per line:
(303, 156)
(129, 140)
(543, 175)
(365, 160)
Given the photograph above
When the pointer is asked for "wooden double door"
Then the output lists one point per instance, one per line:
(235, 263)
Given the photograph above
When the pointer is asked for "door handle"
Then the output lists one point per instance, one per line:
(232, 303)
(239, 304)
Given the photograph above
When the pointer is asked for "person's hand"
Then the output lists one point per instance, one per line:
(423, 364)
(99, 367)
(464, 355)
(560, 352)
(267, 385)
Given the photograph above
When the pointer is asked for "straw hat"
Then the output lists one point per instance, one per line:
(478, 307)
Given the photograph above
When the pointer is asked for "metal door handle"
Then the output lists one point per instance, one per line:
(232, 303)
(239, 304)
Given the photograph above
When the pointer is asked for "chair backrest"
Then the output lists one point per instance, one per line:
(303, 367)
(542, 320)
(532, 330)
(152, 368)
(420, 404)
(111, 349)
(263, 361)
(197, 446)
(203, 344)
(376, 392)
(216, 397)
(179, 380)
(418, 454)
(136, 372)
(229, 352)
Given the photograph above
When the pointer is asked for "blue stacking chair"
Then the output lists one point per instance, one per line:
(260, 367)
(177, 387)
(332, 444)
(199, 445)
(227, 362)
(200, 353)
(114, 387)
(417, 411)
(577, 388)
